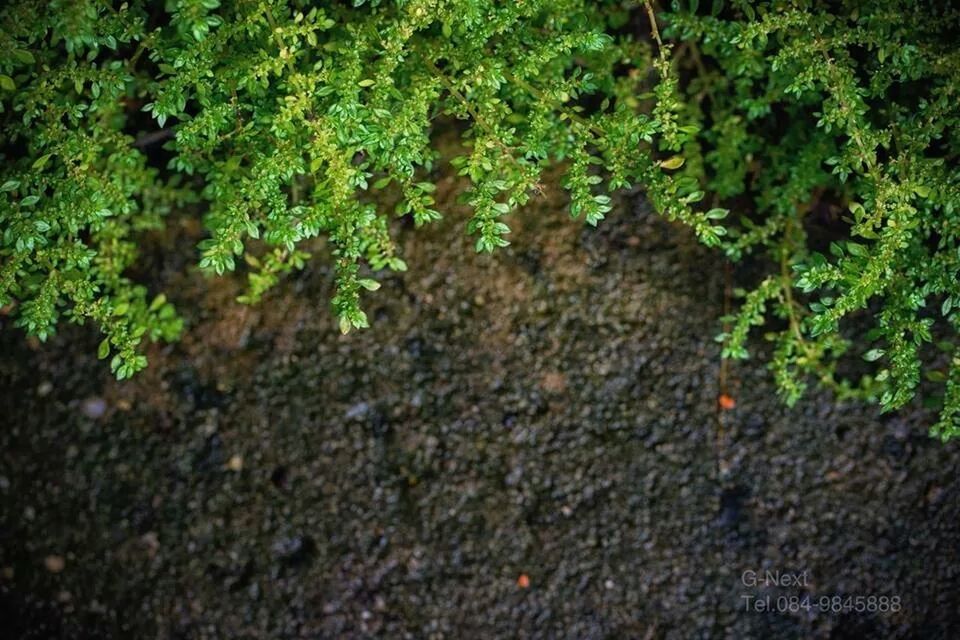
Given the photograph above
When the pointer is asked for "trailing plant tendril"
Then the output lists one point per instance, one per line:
(830, 128)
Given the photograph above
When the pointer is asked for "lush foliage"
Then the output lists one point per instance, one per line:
(841, 128)
(280, 120)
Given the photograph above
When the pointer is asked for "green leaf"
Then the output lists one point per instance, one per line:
(856, 249)
(24, 56)
(673, 163)
(158, 302)
(104, 349)
(40, 162)
(873, 355)
(7, 83)
(369, 285)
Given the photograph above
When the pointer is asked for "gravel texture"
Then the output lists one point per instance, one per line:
(528, 445)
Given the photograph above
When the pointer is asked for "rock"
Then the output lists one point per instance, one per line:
(54, 563)
(357, 411)
(93, 407)
(553, 382)
(151, 543)
(235, 463)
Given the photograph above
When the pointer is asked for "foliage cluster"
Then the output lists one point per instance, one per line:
(281, 119)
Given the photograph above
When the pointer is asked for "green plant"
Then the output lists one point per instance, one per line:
(808, 107)
(282, 119)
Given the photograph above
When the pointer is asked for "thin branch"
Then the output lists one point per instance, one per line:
(655, 30)
(154, 137)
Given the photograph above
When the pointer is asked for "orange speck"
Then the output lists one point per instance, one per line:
(523, 581)
(726, 402)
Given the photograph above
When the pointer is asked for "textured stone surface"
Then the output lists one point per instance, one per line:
(549, 413)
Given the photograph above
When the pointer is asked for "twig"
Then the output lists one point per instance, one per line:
(655, 30)
(153, 137)
(481, 122)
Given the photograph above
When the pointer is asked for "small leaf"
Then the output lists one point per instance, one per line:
(369, 284)
(158, 302)
(104, 349)
(40, 162)
(856, 249)
(873, 355)
(24, 56)
(6, 82)
(673, 163)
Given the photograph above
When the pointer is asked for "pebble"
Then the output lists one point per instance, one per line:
(54, 563)
(554, 382)
(94, 407)
(358, 410)
(151, 542)
(235, 463)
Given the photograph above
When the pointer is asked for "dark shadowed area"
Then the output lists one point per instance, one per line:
(527, 445)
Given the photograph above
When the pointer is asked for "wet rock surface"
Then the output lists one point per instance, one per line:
(524, 446)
